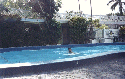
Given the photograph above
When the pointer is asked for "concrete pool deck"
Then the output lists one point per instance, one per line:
(112, 68)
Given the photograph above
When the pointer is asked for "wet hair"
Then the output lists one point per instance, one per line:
(69, 48)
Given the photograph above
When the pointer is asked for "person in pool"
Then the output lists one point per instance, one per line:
(70, 50)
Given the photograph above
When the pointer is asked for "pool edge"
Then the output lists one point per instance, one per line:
(35, 69)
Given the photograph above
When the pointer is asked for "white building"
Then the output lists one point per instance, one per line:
(109, 35)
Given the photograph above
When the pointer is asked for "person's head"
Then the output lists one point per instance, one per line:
(70, 50)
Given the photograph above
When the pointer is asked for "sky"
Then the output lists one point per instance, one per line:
(99, 7)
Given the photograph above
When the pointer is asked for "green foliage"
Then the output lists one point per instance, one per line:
(122, 32)
(71, 14)
(103, 27)
(110, 14)
(89, 20)
(20, 7)
(11, 34)
(10, 18)
(46, 8)
(3, 8)
(77, 29)
(18, 4)
(36, 36)
(52, 32)
(32, 35)
(16, 34)
(11, 30)
(116, 3)
(117, 14)
(58, 3)
(96, 23)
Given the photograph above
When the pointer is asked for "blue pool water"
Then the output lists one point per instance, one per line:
(58, 54)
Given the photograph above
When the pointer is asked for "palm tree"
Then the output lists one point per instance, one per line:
(79, 6)
(91, 28)
(117, 2)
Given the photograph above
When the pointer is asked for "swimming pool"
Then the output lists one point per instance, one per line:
(38, 59)
(40, 55)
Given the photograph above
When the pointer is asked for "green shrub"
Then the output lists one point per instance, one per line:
(77, 30)
(52, 32)
(122, 32)
(15, 33)
(10, 18)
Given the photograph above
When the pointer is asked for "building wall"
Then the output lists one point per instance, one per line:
(105, 35)
(112, 20)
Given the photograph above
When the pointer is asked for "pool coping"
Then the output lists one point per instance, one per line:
(36, 69)
(57, 60)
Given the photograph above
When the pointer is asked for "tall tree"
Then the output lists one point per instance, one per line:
(116, 3)
(46, 8)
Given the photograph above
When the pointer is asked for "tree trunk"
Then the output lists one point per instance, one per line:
(120, 8)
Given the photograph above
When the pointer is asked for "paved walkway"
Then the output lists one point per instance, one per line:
(112, 69)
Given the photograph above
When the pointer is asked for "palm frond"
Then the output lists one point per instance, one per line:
(110, 2)
(114, 5)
